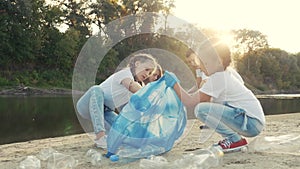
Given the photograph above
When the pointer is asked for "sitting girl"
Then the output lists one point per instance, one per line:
(100, 101)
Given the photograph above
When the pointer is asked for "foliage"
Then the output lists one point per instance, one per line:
(36, 51)
(249, 40)
(270, 69)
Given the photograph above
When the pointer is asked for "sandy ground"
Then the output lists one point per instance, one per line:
(277, 147)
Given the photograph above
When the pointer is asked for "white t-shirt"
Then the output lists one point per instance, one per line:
(228, 87)
(116, 94)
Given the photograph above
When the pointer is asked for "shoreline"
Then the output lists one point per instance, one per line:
(36, 91)
(278, 126)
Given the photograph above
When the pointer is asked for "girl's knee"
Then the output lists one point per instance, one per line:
(80, 104)
(96, 89)
(82, 109)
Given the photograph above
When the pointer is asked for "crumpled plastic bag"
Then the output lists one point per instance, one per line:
(154, 117)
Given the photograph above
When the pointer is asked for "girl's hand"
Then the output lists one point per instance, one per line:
(170, 79)
(131, 85)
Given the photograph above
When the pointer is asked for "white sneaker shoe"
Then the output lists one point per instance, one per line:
(101, 142)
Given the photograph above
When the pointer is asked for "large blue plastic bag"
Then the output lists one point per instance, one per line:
(150, 123)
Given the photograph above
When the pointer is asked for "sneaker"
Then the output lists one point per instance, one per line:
(227, 146)
(101, 142)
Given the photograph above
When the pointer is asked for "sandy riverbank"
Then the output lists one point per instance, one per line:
(280, 151)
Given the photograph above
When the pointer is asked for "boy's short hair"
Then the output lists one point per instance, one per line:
(223, 51)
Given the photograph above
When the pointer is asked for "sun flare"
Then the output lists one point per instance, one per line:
(227, 38)
(232, 15)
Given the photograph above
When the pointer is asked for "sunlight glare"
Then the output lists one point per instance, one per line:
(278, 22)
(227, 38)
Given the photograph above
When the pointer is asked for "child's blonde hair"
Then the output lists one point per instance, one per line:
(143, 58)
(159, 68)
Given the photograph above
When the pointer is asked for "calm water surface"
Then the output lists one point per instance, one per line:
(27, 118)
(35, 117)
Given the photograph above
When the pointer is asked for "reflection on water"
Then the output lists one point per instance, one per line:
(280, 106)
(28, 118)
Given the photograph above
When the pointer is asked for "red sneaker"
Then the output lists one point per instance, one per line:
(228, 146)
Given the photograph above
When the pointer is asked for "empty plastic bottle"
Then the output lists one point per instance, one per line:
(31, 162)
(122, 160)
(199, 159)
(61, 161)
(210, 157)
(129, 154)
(126, 155)
(45, 153)
(94, 157)
(155, 162)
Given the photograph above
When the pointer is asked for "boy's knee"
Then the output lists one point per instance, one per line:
(201, 111)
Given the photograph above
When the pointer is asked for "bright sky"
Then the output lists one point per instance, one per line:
(278, 19)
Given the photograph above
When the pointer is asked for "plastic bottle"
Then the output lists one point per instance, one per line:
(94, 157)
(126, 155)
(199, 159)
(45, 153)
(155, 162)
(210, 157)
(129, 154)
(31, 162)
(123, 160)
(61, 161)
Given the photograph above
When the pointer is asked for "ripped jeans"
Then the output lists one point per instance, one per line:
(229, 121)
(91, 106)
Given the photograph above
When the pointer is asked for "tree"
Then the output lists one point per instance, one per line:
(66, 50)
(32, 40)
(249, 40)
(274, 67)
(20, 32)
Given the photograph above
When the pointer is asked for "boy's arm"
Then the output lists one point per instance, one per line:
(187, 99)
(190, 99)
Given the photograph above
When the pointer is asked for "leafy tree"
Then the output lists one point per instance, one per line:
(19, 26)
(274, 67)
(51, 20)
(249, 40)
(297, 75)
(66, 50)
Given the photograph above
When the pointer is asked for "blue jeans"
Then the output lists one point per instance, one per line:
(91, 106)
(229, 121)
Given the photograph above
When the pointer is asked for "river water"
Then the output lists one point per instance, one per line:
(36, 117)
